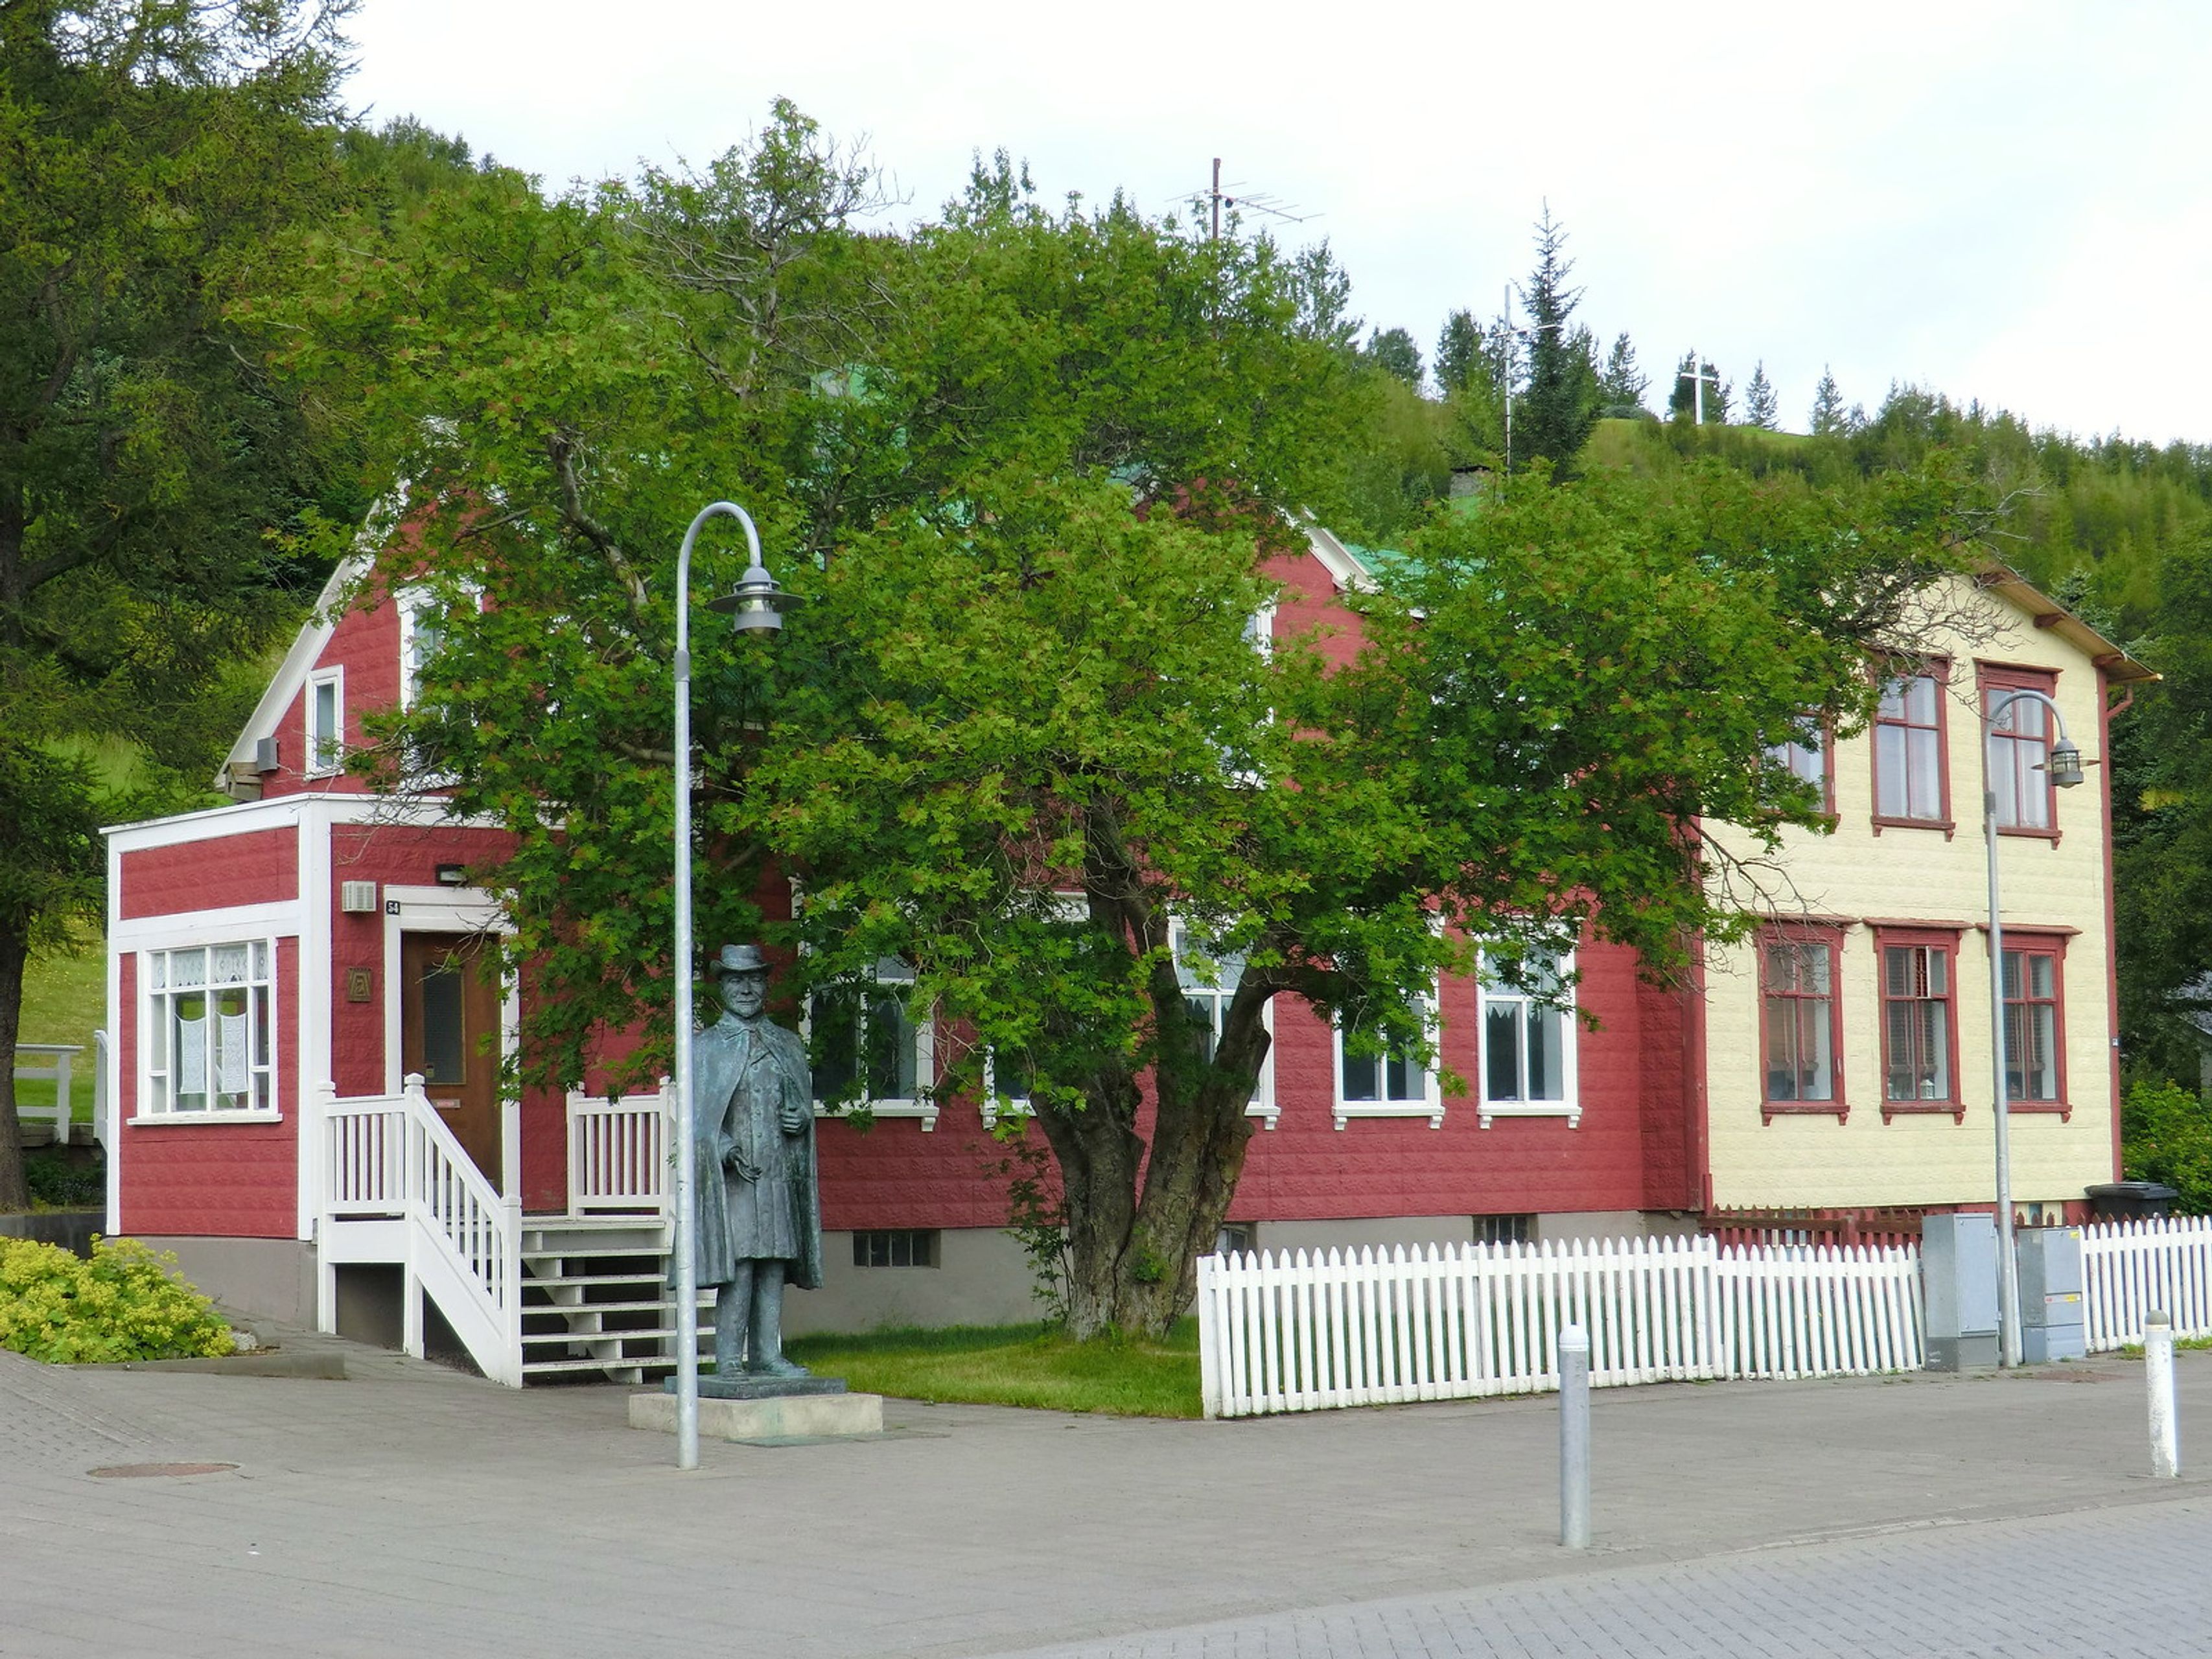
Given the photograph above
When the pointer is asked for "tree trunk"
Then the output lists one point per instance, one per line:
(1099, 1155)
(15, 952)
(1133, 1248)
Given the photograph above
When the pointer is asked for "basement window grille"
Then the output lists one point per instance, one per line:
(896, 1247)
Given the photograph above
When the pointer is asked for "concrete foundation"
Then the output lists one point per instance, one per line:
(779, 1417)
(257, 1277)
(980, 1278)
(69, 1230)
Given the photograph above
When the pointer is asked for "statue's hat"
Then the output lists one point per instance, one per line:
(741, 959)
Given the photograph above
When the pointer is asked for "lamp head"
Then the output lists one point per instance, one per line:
(2065, 763)
(757, 603)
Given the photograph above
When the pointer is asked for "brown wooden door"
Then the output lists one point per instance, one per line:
(448, 1021)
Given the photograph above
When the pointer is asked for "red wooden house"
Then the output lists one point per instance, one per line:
(281, 969)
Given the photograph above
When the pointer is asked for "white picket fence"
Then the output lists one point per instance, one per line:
(2130, 1268)
(1301, 1333)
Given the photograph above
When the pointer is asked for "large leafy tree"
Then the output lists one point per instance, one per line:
(1026, 466)
(149, 151)
(1053, 742)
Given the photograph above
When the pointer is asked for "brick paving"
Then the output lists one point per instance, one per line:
(413, 1509)
(2115, 1584)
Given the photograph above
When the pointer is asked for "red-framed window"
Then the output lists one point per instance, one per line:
(1800, 1021)
(1806, 758)
(1919, 986)
(2019, 735)
(1911, 752)
(2035, 1021)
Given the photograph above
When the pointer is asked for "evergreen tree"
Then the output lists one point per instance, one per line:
(1759, 404)
(1392, 351)
(1561, 397)
(1460, 352)
(1622, 384)
(1828, 417)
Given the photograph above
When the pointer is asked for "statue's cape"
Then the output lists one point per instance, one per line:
(720, 1057)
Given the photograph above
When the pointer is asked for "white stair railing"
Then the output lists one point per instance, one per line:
(48, 1062)
(618, 1152)
(391, 1156)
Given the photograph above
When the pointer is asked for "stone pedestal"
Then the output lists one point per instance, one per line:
(743, 1386)
(824, 1412)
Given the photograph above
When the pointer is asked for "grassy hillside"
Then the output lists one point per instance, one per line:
(66, 1001)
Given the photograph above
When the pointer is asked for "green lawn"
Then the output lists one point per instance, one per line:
(1032, 1365)
(65, 1001)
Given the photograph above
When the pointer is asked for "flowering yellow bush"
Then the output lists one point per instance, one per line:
(126, 1303)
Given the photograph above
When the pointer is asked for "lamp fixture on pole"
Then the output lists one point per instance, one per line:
(2064, 767)
(755, 605)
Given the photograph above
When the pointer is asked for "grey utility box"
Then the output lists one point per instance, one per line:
(1958, 1277)
(2050, 1308)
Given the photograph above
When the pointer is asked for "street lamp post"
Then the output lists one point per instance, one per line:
(755, 605)
(2064, 766)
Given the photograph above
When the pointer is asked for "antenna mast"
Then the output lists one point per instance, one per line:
(1271, 206)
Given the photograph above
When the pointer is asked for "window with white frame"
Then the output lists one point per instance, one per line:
(209, 1029)
(868, 1050)
(1209, 979)
(1528, 1038)
(422, 629)
(1390, 1083)
(325, 713)
(1009, 1082)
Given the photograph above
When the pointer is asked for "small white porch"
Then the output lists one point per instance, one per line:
(529, 1294)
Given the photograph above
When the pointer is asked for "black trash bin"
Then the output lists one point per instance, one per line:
(2131, 1200)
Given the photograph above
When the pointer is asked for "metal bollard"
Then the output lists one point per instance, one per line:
(2158, 1372)
(1574, 1438)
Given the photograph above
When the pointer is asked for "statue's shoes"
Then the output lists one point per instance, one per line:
(777, 1367)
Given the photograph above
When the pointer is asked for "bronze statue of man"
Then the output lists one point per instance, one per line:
(760, 1213)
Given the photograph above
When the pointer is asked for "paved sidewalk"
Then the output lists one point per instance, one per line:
(411, 1509)
(2113, 1584)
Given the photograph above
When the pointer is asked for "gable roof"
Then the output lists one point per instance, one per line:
(2044, 611)
(307, 649)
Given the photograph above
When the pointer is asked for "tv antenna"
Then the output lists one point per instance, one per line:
(1273, 206)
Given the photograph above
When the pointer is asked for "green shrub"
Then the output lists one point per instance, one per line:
(61, 1185)
(126, 1303)
(2165, 1134)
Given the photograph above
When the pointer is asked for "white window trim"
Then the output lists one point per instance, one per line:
(412, 602)
(321, 762)
(1570, 1108)
(923, 1107)
(996, 1105)
(1262, 1105)
(1430, 1106)
(144, 1068)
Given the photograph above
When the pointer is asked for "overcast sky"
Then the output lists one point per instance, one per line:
(2010, 201)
